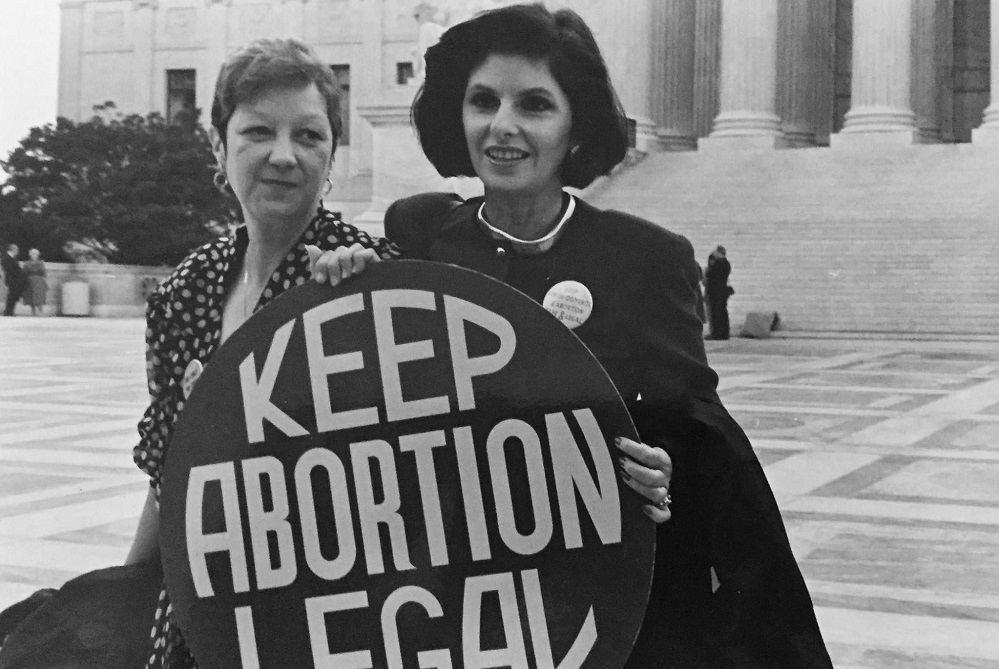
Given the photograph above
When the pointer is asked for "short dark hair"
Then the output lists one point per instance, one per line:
(273, 63)
(562, 40)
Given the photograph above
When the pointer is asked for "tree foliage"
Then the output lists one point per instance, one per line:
(132, 189)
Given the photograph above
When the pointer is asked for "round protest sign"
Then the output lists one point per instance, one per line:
(411, 470)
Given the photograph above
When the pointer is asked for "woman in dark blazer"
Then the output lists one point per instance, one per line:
(521, 98)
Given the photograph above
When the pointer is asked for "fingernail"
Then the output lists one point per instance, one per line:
(320, 277)
(617, 441)
(625, 476)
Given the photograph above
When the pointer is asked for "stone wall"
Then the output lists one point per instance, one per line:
(115, 290)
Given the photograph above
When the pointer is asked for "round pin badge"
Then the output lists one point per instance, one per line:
(191, 376)
(570, 302)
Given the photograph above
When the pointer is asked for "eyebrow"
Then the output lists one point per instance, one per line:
(530, 91)
(263, 115)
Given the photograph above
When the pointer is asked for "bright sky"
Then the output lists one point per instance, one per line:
(29, 68)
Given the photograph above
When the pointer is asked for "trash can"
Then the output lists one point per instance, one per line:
(75, 298)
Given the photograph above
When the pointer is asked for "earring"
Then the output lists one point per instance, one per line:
(221, 182)
(328, 187)
(573, 150)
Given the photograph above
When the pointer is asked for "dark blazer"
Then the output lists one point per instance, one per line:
(717, 275)
(645, 331)
(13, 275)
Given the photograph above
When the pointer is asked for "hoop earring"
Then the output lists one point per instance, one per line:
(328, 188)
(221, 182)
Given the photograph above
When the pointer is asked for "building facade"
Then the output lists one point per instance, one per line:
(805, 109)
(800, 71)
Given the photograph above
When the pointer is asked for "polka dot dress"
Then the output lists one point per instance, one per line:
(184, 323)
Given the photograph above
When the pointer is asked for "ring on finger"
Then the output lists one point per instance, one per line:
(664, 502)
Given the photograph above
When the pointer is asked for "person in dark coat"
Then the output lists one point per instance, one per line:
(13, 276)
(521, 98)
(716, 280)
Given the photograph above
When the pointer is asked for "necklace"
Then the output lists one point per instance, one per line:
(246, 293)
(529, 247)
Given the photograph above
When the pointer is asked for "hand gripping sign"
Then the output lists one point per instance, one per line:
(411, 470)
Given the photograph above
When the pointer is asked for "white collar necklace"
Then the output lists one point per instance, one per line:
(529, 247)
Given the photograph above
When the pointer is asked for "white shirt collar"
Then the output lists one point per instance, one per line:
(530, 247)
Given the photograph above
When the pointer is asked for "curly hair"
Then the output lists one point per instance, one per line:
(563, 41)
(273, 63)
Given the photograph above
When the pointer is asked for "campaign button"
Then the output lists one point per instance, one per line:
(191, 376)
(570, 302)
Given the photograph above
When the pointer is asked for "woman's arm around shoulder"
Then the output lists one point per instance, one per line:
(348, 235)
(347, 252)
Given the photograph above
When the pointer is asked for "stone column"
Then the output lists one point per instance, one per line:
(400, 168)
(634, 46)
(805, 64)
(881, 91)
(630, 36)
(988, 132)
(674, 66)
(396, 162)
(748, 92)
(144, 39)
(70, 58)
(925, 14)
(945, 69)
(707, 27)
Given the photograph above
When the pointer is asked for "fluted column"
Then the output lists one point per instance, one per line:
(748, 92)
(989, 130)
(805, 64)
(945, 69)
(881, 90)
(633, 43)
(707, 27)
(674, 66)
(925, 14)
(630, 36)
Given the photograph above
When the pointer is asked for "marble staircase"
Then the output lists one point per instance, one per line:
(896, 239)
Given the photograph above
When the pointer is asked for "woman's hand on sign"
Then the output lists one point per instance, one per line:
(341, 263)
(647, 470)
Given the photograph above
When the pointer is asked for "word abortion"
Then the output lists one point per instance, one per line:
(571, 477)
(258, 494)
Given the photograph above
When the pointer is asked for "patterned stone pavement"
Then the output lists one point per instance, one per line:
(884, 457)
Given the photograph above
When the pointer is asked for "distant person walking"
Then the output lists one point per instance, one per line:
(37, 286)
(716, 281)
(13, 276)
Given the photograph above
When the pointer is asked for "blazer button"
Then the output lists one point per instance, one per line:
(500, 251)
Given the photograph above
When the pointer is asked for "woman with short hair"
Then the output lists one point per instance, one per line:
(521, 98)
(37, 286)
(275, 125)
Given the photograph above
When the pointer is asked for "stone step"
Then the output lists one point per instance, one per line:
(901, 239)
